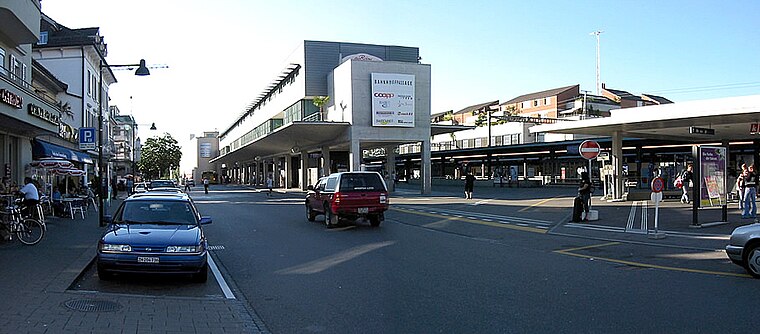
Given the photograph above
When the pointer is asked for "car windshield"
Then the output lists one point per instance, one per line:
(361, 182)
(157, 212)
(161, 183)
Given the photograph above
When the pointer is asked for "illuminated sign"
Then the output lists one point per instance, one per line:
(11, 99)
(39, 112)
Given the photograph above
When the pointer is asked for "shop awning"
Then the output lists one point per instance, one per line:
(41, 149)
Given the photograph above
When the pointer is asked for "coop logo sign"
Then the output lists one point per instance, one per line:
(392, 100)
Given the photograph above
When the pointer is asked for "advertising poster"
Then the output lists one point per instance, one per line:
(205, 150)
(712, 188)
(393, 100)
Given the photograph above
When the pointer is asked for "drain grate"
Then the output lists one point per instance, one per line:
(92, 305)
(216, 247)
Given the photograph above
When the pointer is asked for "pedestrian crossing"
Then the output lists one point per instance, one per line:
(486, 217)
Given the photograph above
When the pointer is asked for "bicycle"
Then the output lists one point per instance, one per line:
(27, 230)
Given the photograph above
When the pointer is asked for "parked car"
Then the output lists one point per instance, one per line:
(141, 187)
(348, 196)
(163, 184)
(744, 248)
(154, 233)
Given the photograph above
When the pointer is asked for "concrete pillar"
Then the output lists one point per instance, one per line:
(355, 156)
(617, 164)
(427, 178)
(267, 171)
(390, 167)
(326, 161)
(304, 182)
(288, 172)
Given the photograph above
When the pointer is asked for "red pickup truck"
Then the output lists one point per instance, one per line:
(349, 196)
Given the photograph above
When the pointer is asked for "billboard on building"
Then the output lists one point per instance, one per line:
(205, 150)
(393, 100)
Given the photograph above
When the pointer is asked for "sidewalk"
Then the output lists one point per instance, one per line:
(36, 299)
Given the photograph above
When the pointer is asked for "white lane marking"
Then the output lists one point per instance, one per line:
(218, 275)
(481, 202)
(482, 216)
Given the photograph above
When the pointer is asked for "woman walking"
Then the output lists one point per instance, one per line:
(750, 194)
(686, 178)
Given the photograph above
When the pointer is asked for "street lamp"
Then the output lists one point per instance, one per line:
(142, 70)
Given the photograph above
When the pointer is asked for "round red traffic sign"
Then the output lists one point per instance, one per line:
(658, 184)
(589, 149)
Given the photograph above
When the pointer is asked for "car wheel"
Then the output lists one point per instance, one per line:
(201, 276)
(331, 219)
(375, 220)
(310, 214)
(104, 275)
(752, 259)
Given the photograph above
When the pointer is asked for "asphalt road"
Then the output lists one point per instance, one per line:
(447, 265)
(423, 272)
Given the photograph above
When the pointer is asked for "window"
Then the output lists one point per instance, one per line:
(331, 183)
(89, 83)
(535, 103)
(525, 105)
(16, 68)
(2, 61)
(547, 101)
(43, 38)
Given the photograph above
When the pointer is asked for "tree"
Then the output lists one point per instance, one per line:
(159, 154)
(320, 102)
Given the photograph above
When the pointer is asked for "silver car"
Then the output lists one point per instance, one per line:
(744, 248)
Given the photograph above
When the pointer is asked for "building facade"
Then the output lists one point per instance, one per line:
(29, 95)
(285, 135)
(207, 149)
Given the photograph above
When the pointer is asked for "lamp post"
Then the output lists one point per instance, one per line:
(142, 70)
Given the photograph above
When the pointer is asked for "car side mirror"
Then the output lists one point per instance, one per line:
(206, 220)
(310, 188)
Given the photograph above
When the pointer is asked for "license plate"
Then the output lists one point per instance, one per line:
(145, 259)
(363, 210)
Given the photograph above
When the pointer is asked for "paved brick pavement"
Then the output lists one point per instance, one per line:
(34, 294)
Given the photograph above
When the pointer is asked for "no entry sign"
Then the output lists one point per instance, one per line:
(589, 149)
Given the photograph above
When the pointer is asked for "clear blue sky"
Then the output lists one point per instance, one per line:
(223, 53)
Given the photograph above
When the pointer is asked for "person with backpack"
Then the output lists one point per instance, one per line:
(686, 178)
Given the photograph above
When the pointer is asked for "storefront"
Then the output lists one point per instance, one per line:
(23, 116)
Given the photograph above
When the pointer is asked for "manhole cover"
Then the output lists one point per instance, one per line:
(92, 305)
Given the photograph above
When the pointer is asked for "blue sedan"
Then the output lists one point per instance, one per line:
(154, 233)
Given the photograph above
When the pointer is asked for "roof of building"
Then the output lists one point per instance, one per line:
(623, 94)
(656, 98)
(475, 107)
(50, 76)
(542, 94)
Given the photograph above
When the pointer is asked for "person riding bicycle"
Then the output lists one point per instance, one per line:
(31, 195)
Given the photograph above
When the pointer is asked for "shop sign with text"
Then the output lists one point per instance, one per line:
(392, 100)
(11, 99)
(53, 117)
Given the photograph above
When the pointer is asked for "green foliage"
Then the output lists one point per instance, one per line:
(320, 101)
(158, 155)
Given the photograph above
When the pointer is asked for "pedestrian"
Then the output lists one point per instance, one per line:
(270, 183)
(750, 193)
(5, 186)
(584, 192)
(205, 185)
(31, 195)
(469, 184)
(187, 185)
(686, 178)
(130, 186)
(740, 186)
(114, 188)
(513, 177)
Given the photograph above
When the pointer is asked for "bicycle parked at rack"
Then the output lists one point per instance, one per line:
(27, 230)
